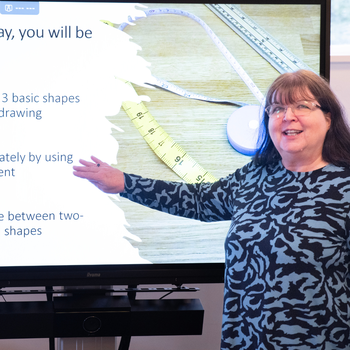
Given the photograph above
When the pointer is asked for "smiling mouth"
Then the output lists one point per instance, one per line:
(291, 132)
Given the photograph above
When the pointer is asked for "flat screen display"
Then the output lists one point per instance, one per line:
(200, 72)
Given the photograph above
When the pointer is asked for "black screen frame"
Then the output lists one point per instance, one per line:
(174, 274)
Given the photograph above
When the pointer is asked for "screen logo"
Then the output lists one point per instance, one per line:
(19, 7)
(93, 274)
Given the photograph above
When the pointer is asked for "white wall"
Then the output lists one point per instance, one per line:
(340, 79)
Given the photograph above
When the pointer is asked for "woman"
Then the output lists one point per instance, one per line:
(287, 281)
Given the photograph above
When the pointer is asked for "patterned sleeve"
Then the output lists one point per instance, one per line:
(204, 202)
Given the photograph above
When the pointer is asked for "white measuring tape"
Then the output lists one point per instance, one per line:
(232, 61)
(163, 84)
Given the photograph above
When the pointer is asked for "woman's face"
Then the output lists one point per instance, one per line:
(299, 139)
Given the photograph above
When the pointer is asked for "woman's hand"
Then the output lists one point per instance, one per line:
(102, 175)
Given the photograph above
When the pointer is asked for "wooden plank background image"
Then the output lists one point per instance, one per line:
(181, 52)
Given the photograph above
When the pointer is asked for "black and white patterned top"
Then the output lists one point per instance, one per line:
(287, 283)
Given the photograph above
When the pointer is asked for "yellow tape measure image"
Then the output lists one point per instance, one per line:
(170, 152)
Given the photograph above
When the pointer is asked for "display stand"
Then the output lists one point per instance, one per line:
(101, 313)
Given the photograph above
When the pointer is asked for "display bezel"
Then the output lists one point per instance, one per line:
(176, 274)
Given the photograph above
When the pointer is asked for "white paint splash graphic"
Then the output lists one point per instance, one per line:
(58, 69)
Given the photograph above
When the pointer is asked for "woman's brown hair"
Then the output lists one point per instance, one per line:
(290, 87)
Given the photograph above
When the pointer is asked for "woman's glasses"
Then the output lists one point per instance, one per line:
(300, 109)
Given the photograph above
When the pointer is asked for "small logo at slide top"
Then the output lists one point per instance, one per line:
(19, 7)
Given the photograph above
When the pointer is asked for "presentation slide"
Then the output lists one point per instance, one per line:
(64, 68)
